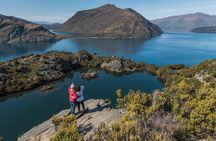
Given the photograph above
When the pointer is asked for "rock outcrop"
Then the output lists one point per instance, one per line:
(14, 30)
(98, 112)
(108, 21)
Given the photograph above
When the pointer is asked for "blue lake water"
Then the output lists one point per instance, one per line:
(169, 48)
(22, 111)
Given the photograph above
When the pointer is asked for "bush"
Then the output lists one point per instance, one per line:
(66, 130)
(120, 99)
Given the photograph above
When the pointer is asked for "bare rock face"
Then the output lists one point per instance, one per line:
(109, 21)
(14, 30)
(99, 112)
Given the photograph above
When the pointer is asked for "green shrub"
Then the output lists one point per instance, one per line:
(66, 130)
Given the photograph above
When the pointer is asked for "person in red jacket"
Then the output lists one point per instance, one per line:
(72, 97)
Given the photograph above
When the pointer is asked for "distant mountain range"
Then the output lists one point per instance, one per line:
(14, 30)
(51, 26)
(186, 22)
(207, 29)
(108, 21)
(47, 25)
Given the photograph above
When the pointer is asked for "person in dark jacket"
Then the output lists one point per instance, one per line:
(80, 99)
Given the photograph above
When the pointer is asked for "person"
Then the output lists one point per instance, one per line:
(80, 99)
(72, 98)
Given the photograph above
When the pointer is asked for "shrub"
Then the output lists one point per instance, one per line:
(66, 130)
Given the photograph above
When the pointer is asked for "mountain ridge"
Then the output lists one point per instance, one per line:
(109, 21)
(15, 30)
(185, 22)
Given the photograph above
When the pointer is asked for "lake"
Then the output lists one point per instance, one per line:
(21, 112)
(169, 48)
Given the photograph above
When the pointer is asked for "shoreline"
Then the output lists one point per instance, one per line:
(28, 72)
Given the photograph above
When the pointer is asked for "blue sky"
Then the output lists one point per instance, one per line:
(61, 10)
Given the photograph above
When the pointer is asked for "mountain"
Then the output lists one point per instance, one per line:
(14, 30)
(207, 29)
(51, 26)
(186, 22)
(48, 25)
(108, 21)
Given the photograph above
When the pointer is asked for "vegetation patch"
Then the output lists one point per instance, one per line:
(184, 110)
(66, 129)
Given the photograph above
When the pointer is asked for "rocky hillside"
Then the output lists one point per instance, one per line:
(185, 22)
(14, 30)
(108, 21)
(207, 29)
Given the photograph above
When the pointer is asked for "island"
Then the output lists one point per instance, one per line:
(111, 22)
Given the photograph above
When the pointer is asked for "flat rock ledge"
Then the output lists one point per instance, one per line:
(99, 111)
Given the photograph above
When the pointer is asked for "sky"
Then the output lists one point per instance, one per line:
(61, 10)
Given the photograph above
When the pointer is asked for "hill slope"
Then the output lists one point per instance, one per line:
(109, 21)
(13, 30)
(186, 22)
